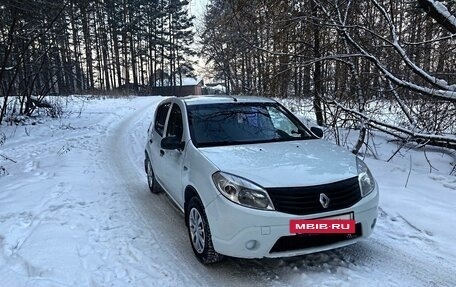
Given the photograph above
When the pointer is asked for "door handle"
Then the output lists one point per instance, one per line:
(162, 152)
(151, 141)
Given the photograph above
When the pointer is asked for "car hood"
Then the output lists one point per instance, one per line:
(280, 164)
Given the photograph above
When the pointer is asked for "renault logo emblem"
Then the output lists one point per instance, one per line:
(324, 200)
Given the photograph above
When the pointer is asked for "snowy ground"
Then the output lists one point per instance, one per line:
(75, 210)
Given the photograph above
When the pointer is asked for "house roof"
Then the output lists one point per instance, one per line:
(186, 81)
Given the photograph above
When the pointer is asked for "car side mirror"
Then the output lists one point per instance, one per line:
(317, 131)
(172, 143)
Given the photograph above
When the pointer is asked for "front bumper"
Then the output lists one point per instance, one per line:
(249, 233)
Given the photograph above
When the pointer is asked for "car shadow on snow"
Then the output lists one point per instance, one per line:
(281, 270)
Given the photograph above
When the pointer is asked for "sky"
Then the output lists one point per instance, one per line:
(197, 9)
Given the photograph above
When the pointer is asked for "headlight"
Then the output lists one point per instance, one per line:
(242, 191)
(365, 178)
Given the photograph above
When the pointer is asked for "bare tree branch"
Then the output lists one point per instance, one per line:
(438, 11)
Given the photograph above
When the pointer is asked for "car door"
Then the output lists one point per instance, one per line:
(156, 134)
(172, 160)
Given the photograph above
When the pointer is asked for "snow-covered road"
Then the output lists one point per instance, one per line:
(75, 210)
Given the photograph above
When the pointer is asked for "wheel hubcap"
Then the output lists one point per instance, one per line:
(197, 233)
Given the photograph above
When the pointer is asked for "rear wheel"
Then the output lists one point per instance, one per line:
(151, 181)
(199, 233)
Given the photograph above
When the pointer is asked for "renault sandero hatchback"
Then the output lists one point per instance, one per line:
(253, 181)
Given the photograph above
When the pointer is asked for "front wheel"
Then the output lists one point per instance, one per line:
(151, 181)
(200, 234)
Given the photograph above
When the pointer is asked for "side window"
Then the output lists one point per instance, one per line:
(282, 123)
(160, 119)
(175, 126)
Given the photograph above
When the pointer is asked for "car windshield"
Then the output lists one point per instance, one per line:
(243, 123)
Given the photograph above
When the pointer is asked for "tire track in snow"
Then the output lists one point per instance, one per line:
(119, 162)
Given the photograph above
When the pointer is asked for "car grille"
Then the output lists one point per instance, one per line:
(306, 200)
(302, 241)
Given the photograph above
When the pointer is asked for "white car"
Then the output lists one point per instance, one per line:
(248, 175)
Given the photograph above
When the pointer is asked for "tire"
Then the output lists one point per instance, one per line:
(151, 180)
(199, 233)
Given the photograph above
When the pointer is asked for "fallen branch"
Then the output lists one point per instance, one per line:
(399, 132)
(7, 158)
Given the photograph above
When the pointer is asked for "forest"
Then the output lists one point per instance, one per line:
(357, 61)
(66, 47)
(362, 65)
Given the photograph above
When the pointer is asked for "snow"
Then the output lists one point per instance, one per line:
(426, 204)
(219, 87)
(75, 210)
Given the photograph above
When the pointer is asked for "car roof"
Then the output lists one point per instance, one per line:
(216, 99)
